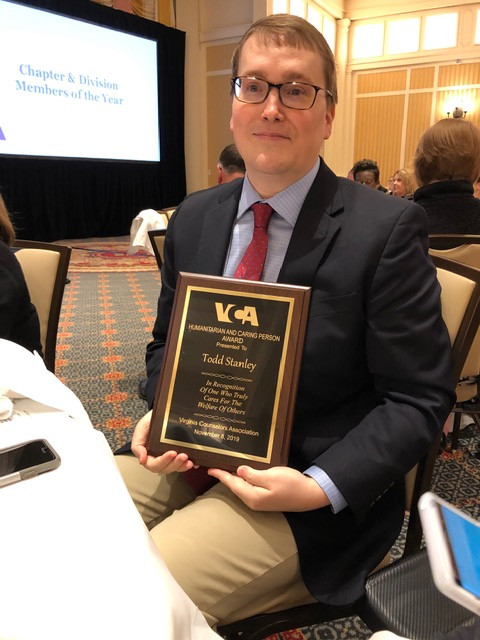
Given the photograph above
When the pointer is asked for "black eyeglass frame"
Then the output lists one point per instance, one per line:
(272, 85)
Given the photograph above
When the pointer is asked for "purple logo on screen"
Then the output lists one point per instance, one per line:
(2, 136)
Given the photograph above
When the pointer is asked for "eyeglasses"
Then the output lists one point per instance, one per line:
(295, 95)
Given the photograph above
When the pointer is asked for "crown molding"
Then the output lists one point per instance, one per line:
(365, 9)
(466, 56)
(333, 8)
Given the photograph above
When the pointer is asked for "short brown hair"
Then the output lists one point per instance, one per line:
(231, 160)
(291, 31)
(7, 232)
(448, 150)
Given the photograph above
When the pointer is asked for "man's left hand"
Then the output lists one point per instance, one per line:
(274, 489)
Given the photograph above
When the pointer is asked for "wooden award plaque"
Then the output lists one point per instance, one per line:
(227, 388)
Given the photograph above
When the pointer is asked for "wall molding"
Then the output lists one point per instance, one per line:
(366, 9)
(448, 56)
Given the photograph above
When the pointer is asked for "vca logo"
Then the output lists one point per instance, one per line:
(231, 311)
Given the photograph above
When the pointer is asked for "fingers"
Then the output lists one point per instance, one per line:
(244, 472)
(253, 476)
(220, 474)
(140, 436)
(247, 492)
(274, 489)
(168, 462)
(244, 477)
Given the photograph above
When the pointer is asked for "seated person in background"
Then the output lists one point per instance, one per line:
(447, 163)
(476, 188)
(367, 172)
(18, 317)
(403, 183)
(390, 186)
(371, 398)
(230, 165)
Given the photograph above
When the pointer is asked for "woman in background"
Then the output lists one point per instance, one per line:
(476, 188)
(390, 186)
(447, 163)
(403, 184)
(18, 317)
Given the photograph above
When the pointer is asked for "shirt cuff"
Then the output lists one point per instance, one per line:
(337, 500)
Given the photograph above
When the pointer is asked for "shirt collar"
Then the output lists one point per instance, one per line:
(287, 203)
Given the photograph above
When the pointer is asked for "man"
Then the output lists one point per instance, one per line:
(375, 384)
(230, 165)
(367, 172)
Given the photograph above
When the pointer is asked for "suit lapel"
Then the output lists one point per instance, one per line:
(216, 233)
(314, 231)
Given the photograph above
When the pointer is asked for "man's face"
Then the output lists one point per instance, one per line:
(367, 178)
(279, 144)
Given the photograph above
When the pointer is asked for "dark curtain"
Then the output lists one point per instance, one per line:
(51, 199)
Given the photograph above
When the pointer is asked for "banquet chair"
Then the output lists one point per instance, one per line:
(467, 251)
(157, 238)
(457, 244)
(45, 267)
(381, 606)
(168, 211)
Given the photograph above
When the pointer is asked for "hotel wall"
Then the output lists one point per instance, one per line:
(393, 108)
(385, 104)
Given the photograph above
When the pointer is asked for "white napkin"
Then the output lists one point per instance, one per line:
(146, 220)
(23, 374)
(6, 405)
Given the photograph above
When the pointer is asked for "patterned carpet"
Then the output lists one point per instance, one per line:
(105, 325)
(104, 328)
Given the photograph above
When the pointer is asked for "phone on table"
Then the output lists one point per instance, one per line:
(453, 545)
(25, 460)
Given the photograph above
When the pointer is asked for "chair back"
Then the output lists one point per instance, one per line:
(165, 216)
(460, 299)
(449, 241)
(468, 253)
(168, 211)
(157, 238)
(45, 267)
(460, 306)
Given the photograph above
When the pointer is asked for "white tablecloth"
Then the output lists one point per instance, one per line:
(76, 560)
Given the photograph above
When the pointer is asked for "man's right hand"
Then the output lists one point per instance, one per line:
(169, 462)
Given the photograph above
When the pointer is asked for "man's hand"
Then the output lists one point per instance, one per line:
(167, 463)
(275, 489)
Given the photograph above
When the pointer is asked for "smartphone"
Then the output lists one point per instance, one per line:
(26, 460)
(453, 545)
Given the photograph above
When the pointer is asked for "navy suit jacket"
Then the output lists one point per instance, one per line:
(375, 384)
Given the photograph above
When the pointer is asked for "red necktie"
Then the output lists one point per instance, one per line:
(250, 267)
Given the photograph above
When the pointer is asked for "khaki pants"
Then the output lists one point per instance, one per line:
(231, 561)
